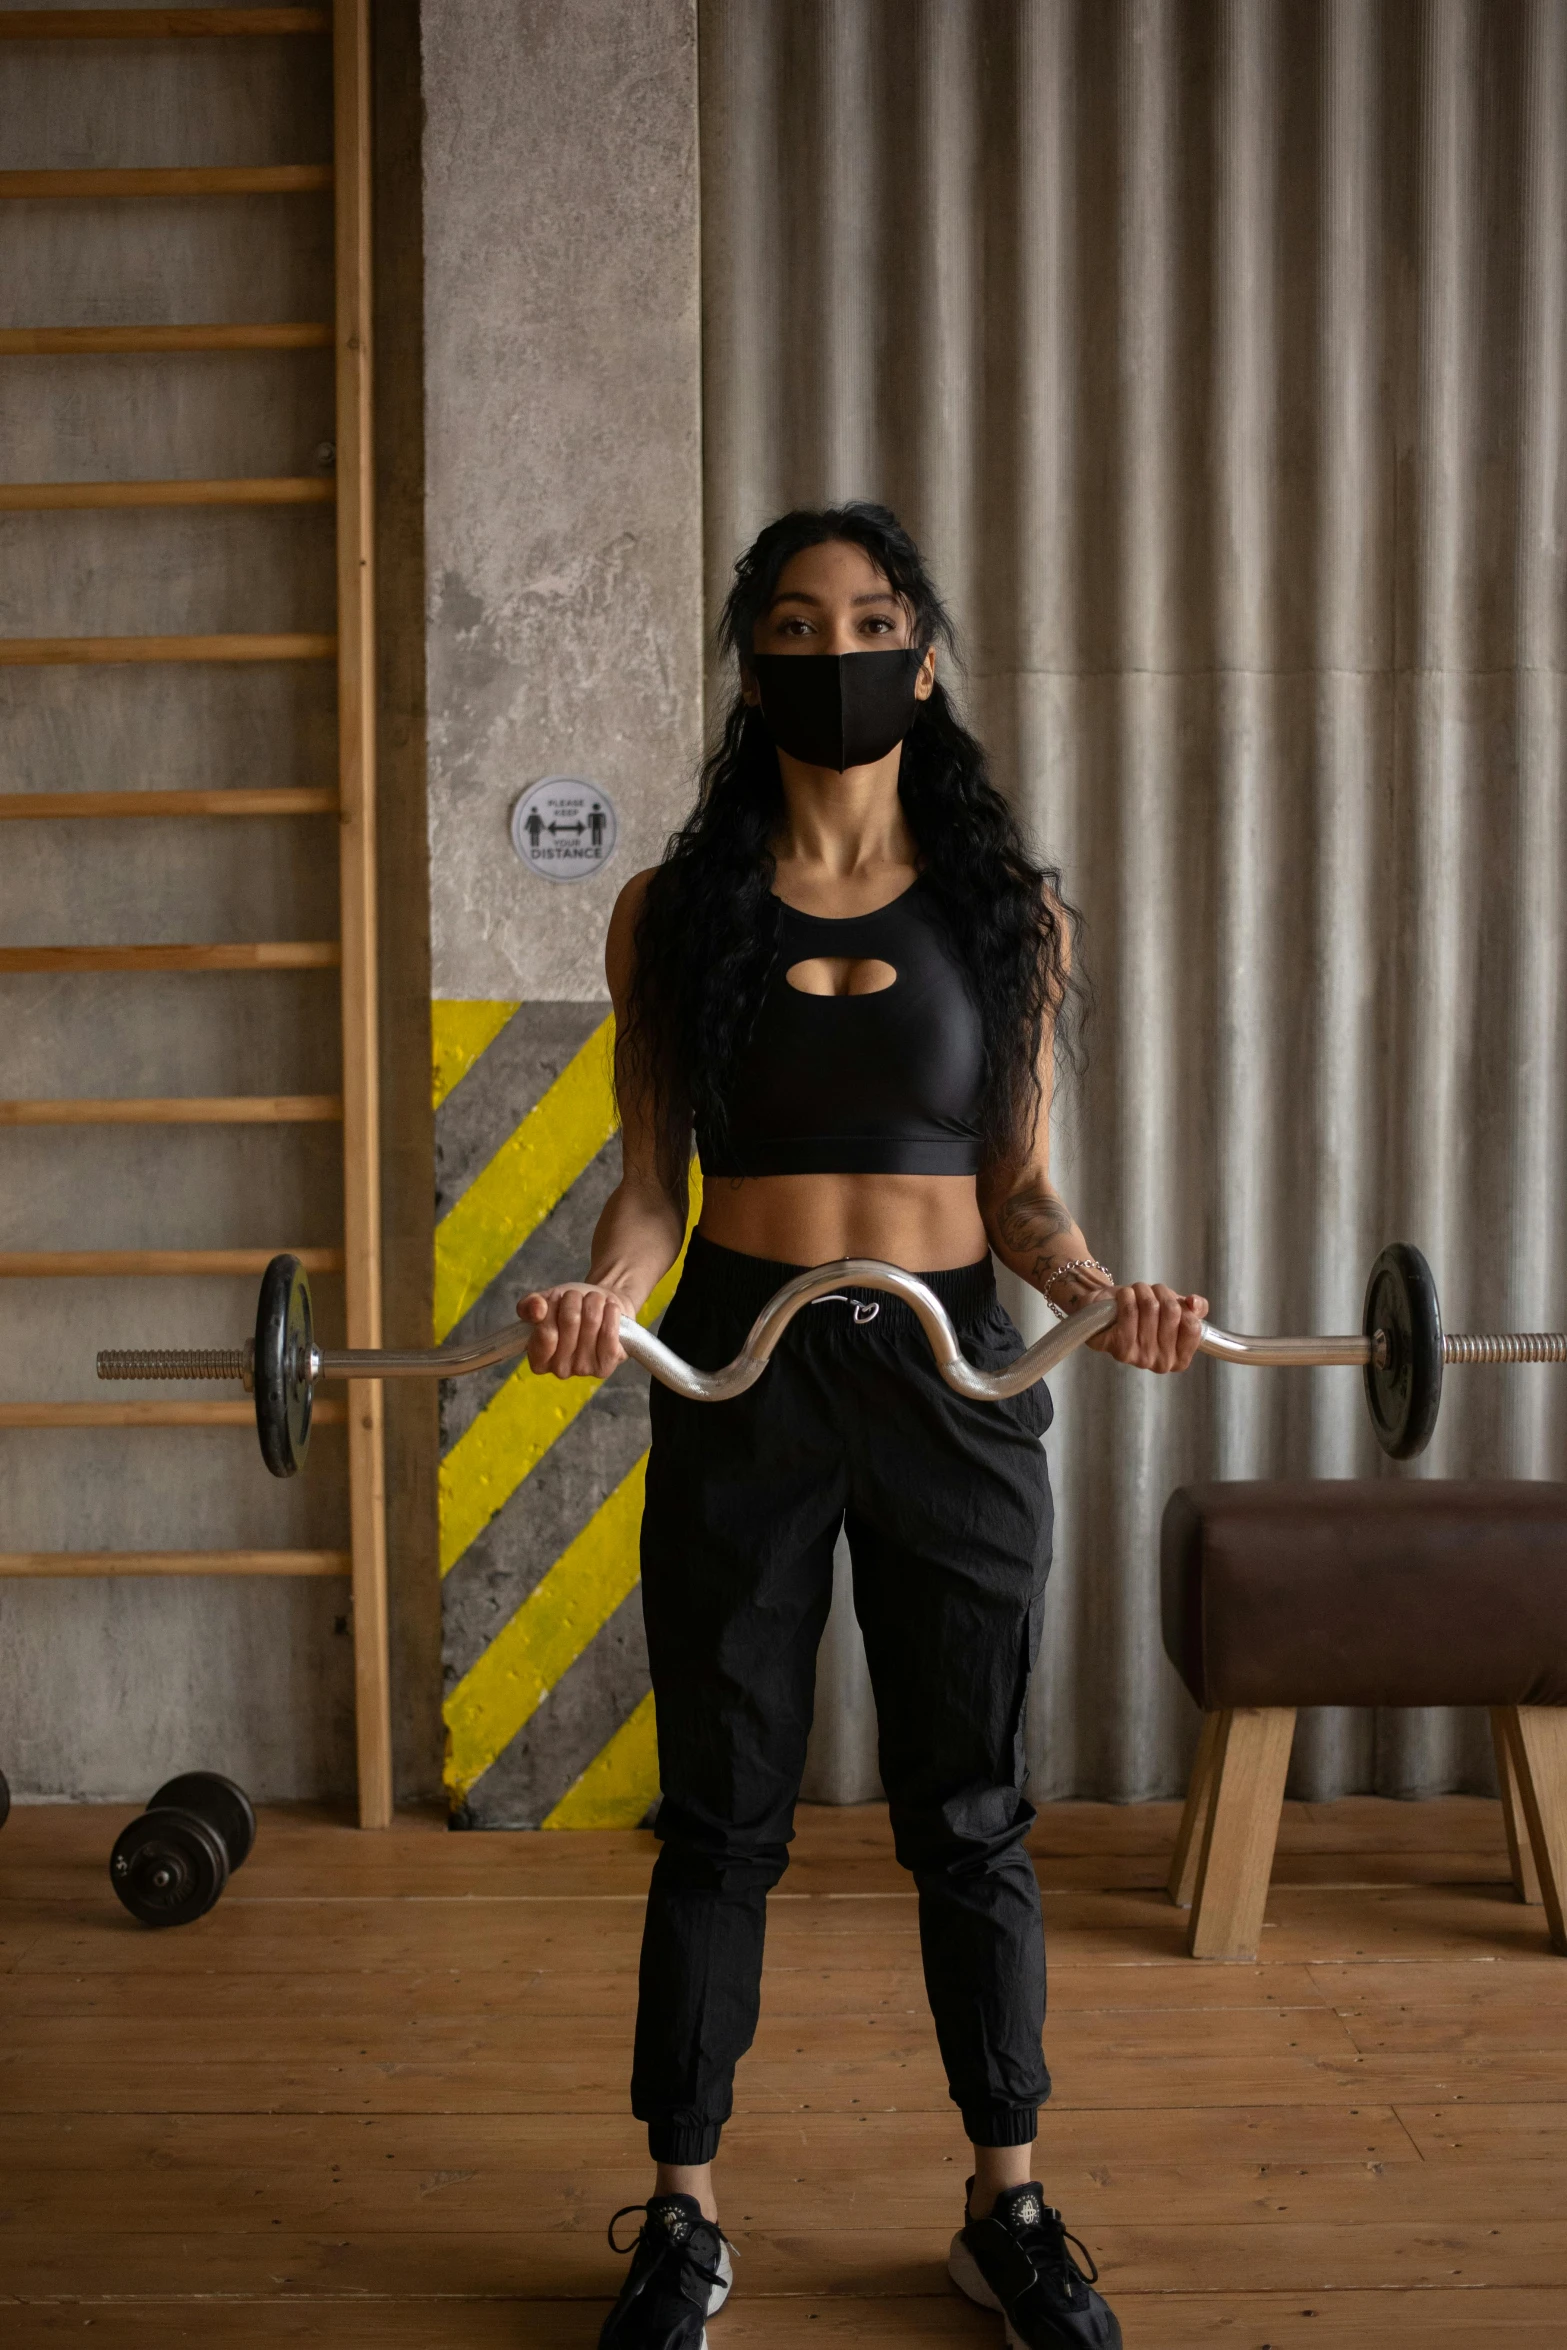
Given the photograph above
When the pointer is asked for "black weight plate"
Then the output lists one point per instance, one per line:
(1404, 1393)
(168, 1867)
(219, 1802)
(5, 1799)
(285, 1330)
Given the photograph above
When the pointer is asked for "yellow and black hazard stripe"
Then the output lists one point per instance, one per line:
(549, 1714)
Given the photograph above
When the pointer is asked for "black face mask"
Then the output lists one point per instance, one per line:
(838, 709)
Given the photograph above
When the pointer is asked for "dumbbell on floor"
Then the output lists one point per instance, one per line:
(1400, 1348)
(174, 1859)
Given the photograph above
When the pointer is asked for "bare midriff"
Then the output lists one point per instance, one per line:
(926, 1223)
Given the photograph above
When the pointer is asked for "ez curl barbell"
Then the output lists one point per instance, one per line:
(1400, 1347)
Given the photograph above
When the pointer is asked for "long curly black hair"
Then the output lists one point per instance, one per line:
(707, 932)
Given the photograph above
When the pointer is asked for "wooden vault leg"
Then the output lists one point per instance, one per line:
(1537, 1739)
(1182, 1879)
(1251, 1760)
(1520, 1849)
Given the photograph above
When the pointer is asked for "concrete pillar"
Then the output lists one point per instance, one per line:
(564, 638)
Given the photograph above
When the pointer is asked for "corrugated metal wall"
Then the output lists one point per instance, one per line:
(1215, 354)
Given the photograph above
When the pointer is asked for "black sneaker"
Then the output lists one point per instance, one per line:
(679, 2275)
(1017, 2261)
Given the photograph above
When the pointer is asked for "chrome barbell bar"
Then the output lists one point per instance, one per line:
(1354, 1349)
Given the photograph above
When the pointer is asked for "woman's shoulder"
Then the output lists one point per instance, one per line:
(619, 946)
(629, 902)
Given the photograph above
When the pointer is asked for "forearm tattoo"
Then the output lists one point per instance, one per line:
(1032, 1223)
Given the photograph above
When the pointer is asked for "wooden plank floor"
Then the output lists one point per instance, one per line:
(378, 2096)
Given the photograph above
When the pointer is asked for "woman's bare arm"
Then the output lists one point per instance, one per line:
(638, 1236)
(1034, 1232)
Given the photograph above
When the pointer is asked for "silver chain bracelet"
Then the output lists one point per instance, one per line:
(1074, 1265)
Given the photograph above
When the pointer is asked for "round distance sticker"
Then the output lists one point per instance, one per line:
(564, 829)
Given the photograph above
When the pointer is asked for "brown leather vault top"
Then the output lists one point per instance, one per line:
(1398, 1592)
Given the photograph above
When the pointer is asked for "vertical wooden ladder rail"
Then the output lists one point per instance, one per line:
(357, 893)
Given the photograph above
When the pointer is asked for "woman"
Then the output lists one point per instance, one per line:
(846, 983)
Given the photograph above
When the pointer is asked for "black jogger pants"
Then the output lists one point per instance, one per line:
(948, 1513)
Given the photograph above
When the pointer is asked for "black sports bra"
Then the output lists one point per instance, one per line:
(880, 1084)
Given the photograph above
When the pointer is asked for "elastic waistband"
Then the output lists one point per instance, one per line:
(745, 1283)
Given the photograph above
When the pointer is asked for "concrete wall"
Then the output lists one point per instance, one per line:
(105, 1688)
(563, 499)
(1022, 268)
(563, 556)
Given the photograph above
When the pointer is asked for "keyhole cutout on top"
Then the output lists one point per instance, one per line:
(840, 975)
